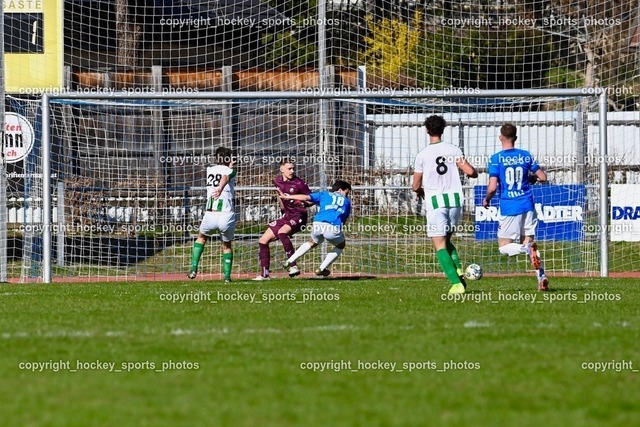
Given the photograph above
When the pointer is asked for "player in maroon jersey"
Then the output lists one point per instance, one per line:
(295, 217)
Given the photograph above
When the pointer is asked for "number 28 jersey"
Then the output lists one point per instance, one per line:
(224, 203)
(440, 176)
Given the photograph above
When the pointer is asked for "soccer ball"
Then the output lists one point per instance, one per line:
(473, 272)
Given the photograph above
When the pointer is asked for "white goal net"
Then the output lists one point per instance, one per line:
(124, 184)
(127, 181)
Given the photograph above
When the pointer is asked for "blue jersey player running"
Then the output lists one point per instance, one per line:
(334, 209)
(511, 171)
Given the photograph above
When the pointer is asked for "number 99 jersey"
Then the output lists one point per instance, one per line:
(440, 175)
(224, 202)
(512, 167)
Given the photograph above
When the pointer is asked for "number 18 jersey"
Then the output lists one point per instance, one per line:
(440, 175)
(224, 203)
(334, 209)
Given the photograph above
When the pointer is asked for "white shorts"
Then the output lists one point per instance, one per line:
(323, 230)
(224, 222)
(442, 221)
(517, 226)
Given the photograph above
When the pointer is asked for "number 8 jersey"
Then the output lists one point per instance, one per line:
(224, 203)
(440, 175)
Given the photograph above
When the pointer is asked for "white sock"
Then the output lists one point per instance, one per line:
(330, 258)
(512, 249)
(303, 249)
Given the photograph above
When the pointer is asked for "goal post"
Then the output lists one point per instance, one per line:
(84, 126)
(604, 186)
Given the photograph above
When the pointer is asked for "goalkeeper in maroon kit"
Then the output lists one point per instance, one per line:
(294, 219)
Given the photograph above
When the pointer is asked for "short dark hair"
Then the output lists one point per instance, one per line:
(223, 156)
(509, 131)
(340, 185)
(286, 160)
(435, 125)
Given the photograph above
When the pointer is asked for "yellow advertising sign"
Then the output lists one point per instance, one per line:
(33, 46)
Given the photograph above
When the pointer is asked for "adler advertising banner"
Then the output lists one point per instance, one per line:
(559, 207)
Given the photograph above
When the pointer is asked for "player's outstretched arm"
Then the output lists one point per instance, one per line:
(539, 176)
(466, 167)
(491, 191)
(300, 197)
(307, 190)
(416, 185)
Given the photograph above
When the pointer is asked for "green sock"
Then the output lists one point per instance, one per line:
(448, 266)
(198, 248)
(227, 263)
(453, 253)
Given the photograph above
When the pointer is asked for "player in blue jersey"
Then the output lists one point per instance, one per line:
(511, 173)
(334, 209)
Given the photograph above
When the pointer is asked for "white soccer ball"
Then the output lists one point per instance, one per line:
(473, 272)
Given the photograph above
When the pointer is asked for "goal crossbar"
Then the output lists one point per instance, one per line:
(324, 95)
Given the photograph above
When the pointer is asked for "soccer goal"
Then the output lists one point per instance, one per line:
(115, 186)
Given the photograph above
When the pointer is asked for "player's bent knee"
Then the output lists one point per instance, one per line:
(267, 237)
(511, 249)
(503, 250)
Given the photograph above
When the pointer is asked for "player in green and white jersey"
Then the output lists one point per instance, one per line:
(437, 180)
(220, 213)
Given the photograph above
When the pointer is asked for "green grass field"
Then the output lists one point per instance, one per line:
(368, 352)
